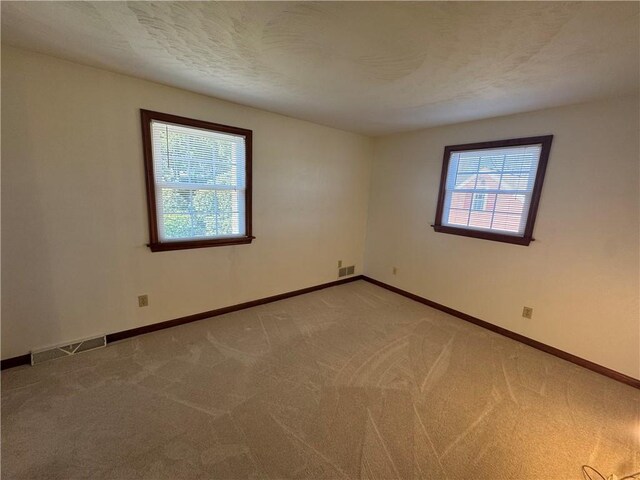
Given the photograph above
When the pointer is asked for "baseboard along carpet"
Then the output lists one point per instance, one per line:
(352, 381)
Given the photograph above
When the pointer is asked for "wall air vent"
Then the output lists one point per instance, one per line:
(344, 271)
(79, 346)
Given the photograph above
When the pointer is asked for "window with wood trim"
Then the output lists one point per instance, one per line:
(198, 178)
(491, 190)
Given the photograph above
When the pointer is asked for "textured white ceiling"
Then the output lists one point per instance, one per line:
(370, 67)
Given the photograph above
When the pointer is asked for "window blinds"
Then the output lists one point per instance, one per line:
(491, 189)
(200, 180)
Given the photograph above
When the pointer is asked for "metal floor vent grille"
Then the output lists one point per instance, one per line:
(344, 271)
(66, 350)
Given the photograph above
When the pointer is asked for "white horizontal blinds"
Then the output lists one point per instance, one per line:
(200, 182)
(490, 189)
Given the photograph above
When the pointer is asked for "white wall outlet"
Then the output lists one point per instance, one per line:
(339, 263)
(527, 312)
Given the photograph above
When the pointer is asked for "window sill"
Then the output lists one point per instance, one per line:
(185, 245)
(496, 237)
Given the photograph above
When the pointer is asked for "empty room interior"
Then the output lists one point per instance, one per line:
(320, 240)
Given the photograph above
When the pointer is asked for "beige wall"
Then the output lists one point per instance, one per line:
(581, 273)
(75, 223)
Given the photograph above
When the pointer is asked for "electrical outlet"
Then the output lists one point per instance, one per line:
(527, 312)
(339, 263)
(143, 300)
(394, 270)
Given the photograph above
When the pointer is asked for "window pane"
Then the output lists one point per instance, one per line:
(490, 189)
(478, 201)
(488, 181)
(461, 200)
(193, 213)
(176, 200)
(465, 181)
(522, 162)
(483, 202)
(468, 164)
(510, 203)
(491, 163)
(176, 226)
(204, 201)
(480, 219)
(512, 181)
(510, 223)
(458, 217)
(228, 222)
(227, 201)
(227, 174)
(204, 225)
(200, 182)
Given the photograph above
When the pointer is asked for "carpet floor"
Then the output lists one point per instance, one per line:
(348, 382)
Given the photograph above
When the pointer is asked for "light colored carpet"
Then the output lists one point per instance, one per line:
(348, 382)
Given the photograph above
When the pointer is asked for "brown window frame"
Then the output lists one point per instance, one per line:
(147, 116)
(527, 236)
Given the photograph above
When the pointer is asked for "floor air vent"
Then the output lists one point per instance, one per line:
(65, 350)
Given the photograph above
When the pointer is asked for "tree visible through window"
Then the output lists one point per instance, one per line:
(491, 190)
(198, 182)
